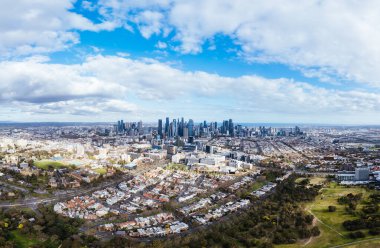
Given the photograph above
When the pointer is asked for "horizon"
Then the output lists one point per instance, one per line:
(154, 123)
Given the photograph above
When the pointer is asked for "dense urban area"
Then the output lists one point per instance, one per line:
(178, 183)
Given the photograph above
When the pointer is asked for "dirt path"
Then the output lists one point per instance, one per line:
(315, 220)
(311, 237)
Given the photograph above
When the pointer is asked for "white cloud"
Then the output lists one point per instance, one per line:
(33, 27)
(161, 45)
(105, 86)
(339, 37)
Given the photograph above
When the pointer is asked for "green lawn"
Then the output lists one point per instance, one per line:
(313, 180)
(44, 164)
(366, 244)
(256, 185)
(23, 241)
(174, 166)
(101, 171)
(332, 231)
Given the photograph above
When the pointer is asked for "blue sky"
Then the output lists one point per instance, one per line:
(253, 61)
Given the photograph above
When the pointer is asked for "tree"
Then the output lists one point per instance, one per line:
(332, 208)
(315, 231)
(357, 235)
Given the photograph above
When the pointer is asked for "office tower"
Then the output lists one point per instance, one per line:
(140, 125)
(170, 133)
(179, 124)
(297, 131)
(225, 127)
(231, 127)
(174, 128)
(362, 174)
(190, 126)
(167, 126)
(159, 131)
(185, 133)
(182, 127)
(120, 126)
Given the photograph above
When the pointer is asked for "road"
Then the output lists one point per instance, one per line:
(61, 196)
(33, 202)
(14, 187)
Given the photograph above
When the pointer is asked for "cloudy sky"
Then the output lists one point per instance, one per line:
(282, 61)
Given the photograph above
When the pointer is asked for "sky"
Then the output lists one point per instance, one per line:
(273, 61)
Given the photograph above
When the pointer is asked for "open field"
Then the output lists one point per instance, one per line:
(44, 164)
(101, 171)
(313, 180)
(174, 166)
(22, 241)
(330, 223)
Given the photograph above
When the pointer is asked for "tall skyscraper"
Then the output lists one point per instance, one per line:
(159, 131)
(140, 125)
(185, 133)
(231, 127)
(167, 126)
(225, 127)
(190, 126)
(174, 127)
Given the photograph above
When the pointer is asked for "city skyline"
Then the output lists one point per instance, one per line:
(80, 60)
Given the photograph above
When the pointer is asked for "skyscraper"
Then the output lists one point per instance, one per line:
(159, 131)
(140, 125)
(174, 127)
(167, 126)
(231, 127)
(190, 126)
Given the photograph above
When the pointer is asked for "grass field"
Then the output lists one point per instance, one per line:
(313, 180)
(44, 164)
(101, 171)
(22, 241)
(174, 166)
(330, 223)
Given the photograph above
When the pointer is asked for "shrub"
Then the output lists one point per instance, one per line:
(332, 208)
(357, 235)
(315, 231)
(374, 231)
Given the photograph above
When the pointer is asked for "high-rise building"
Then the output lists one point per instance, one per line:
(167, 126)
(362, 174)
(182, 126)
(174, 126)
(225, 127)
(140, 125)
(231, 127)
(159, 129)
(185, 132)
(120, 126)
(190, 126)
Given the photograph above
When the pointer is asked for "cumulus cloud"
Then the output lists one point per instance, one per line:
(111, 84)
(334, 39)
(33, 27)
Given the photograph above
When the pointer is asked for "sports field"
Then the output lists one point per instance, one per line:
(45, 164)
